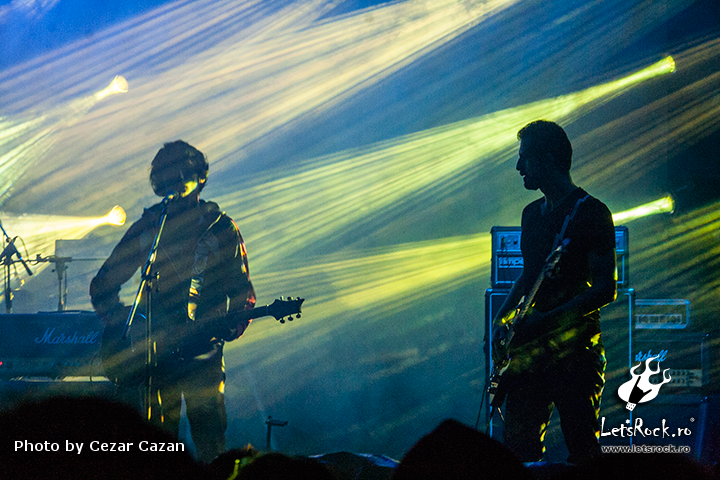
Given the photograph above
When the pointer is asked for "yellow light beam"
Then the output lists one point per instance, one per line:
(285, 213)
(247, 71)
(672, 257)
(630, 149)
(116, 216)
(25, 141)
(251, 69)
(662, 205)
(376, 283)
(39, 232)
(316, 68)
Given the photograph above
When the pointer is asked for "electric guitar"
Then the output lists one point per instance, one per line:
(502, 356)
(124, 361)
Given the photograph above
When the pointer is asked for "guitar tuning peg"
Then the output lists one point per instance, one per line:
(282, 298)
(290, 318)
(282, 320)
(297, 316)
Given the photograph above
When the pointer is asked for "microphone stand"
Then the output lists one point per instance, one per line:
(6, 257)
(61, 269)
(148, 282)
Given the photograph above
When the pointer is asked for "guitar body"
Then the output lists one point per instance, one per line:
(521, 356)
(125, 361)
(497, 385)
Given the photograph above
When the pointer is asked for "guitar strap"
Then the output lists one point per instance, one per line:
(206, 244)
(561, 235)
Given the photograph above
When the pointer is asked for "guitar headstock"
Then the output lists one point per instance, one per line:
(282, 308)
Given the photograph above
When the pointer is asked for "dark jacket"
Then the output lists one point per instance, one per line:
(201, 260)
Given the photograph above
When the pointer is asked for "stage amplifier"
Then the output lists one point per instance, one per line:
(506, 263)
(52, 344)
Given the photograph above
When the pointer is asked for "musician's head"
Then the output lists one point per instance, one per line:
(178, 167)
(545, 152)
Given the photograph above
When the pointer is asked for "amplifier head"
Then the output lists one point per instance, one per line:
(506, 263)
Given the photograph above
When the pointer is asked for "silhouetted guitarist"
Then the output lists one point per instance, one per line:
(557, 356)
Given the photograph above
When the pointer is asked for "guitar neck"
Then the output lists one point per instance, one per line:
(257, 312)
(279, 309)
(530, 297)
(550, 263)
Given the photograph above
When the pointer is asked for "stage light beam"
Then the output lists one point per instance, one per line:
(321, 199)
(662, 205)
(118, 85)
(379, 282)
(25, 141)
(39, 232)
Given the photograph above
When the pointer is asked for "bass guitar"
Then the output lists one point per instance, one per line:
(497, 389)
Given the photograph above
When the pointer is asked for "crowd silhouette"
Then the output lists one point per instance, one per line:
(39, 439)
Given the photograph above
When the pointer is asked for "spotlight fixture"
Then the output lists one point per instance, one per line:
(116, 216)
(118, 85)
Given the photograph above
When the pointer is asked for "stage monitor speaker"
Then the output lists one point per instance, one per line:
(661, 329)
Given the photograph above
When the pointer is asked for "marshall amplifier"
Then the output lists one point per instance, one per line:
(506, 263)
(54, 345)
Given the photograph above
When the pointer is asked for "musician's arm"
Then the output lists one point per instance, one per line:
(122, 264)
(602, 291)
(240, 290)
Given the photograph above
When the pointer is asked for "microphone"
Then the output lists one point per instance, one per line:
(22, 260)
(11, 250)
(171, 195)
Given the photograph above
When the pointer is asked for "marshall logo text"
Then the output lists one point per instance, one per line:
(50, 337)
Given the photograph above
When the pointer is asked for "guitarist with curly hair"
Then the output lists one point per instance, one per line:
(556, 356)
(199, 277)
